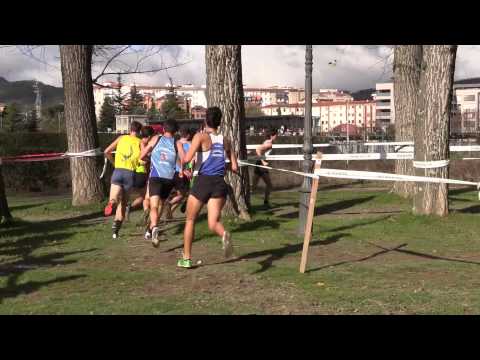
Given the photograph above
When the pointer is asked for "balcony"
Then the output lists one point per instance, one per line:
(381, 95)
(383, 116)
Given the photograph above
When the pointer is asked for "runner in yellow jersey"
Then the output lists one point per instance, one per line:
(127, 156)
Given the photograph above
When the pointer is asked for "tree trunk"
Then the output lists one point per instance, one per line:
(76, 63)
(432, 126)
(4, 209)
(406, 70)
(225, 90)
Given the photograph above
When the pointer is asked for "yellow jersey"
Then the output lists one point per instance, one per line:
(127, 154)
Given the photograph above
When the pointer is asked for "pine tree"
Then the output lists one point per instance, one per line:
(119, 99)
(153, 112)
(135, 103)
(107, 115)
(12, 119)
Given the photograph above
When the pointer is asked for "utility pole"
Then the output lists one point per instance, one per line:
(307, 143)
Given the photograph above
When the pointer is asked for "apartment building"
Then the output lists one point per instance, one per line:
(385, 106)
(330, 114)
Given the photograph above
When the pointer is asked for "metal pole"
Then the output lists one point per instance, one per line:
(307, 165)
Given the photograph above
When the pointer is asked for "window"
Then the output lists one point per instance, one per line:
(469, 98)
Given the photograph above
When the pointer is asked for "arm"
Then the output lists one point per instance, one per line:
(148, 149)
(196, 145)
(108, 151)
(231, 155)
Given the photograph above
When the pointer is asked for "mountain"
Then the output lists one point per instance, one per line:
(468, 81)
(22, 93)
(364, 94)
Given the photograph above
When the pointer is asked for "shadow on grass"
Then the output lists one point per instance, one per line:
(459, 191)
(339, 205)
(279, 253)
(474, 209)
(26, 206)
(26, 238)
(399, 249)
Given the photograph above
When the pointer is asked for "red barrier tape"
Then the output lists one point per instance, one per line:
(33, 157)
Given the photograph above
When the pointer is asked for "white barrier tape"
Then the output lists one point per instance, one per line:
(105, 163)
(430, 164)
(287, 146)
(368, 175)
(87, 153)
(393, 143)
(244, 163)
(351, 156)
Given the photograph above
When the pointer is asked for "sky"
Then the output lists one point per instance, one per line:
(356, 66)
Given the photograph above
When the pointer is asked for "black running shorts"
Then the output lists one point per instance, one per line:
(160, 187)
(140, 180)
(260, 171)
(209, 186)
(181, 183)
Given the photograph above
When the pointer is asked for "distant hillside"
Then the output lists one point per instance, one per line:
(365, 94)
(22, 93)
(468, 81)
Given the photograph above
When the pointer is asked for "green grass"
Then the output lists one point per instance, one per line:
(368, 255)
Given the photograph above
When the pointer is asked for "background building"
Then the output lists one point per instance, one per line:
(385, 106)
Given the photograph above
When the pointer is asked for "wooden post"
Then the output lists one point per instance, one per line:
(311, 211)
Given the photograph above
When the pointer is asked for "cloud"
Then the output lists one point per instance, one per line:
(357, 66)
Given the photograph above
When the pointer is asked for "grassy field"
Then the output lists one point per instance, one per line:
(368, 255)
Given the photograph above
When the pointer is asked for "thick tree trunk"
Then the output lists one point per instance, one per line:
(225, 90)
(76, 62)
(4, 209)
(432, 126)
(406, 70)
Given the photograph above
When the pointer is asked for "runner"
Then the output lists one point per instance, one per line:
(209, 187)
(182, 183)
(127, 155)
(163, 160)
(263, 173)
(141, 176)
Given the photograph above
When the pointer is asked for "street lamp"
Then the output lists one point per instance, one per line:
(307, 143)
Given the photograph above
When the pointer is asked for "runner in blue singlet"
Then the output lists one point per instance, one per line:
(163, 161)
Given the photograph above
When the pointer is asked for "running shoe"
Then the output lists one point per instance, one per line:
(116, 228)
(185, 263)
(148, 235)
(227, 245)
(109, 209)
(155, 237)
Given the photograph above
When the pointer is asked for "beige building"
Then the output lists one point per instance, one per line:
(330, 114)
(385, 104)
(122, 122)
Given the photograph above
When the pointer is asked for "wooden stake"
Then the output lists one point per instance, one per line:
(311, 211)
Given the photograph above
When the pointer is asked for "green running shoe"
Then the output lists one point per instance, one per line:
(185, 263)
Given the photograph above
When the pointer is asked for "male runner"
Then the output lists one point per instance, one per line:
(261, 172)
(127, 156)
(141, 175)
(209, 187)
(163, 160)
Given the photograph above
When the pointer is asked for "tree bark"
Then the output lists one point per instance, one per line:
(81, 125)
(225, 90)
(432, 126)
(4, 209)
(406, 70)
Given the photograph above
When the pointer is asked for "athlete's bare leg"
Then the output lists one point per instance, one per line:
(193, 209)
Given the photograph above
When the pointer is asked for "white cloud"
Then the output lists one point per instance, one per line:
(357, 66)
